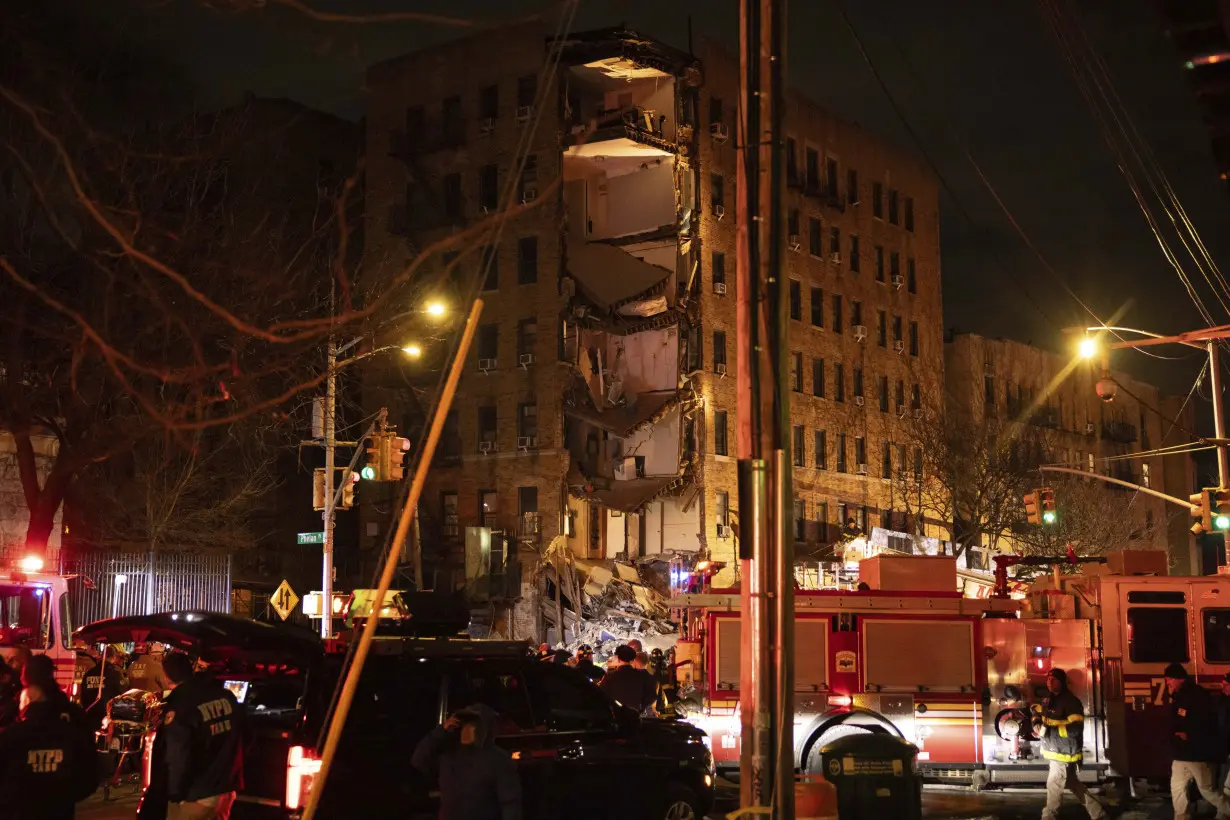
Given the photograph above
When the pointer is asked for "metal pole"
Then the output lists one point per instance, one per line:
(755, 689)
(326, 558)
(1219, 422)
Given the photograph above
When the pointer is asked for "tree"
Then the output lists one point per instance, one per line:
(1092, 518)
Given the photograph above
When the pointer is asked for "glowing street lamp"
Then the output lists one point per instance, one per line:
(1088, 347)
(412, 350)
(435, 309)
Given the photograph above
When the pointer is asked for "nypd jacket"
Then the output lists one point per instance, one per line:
(47, 763)
(1064, 719)
(203, 728)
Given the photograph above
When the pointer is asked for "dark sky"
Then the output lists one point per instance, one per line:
(965, 73)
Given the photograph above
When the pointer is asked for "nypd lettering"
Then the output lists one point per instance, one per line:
(216, 715)
(44, 761)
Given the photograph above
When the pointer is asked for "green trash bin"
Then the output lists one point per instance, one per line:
(875, 776)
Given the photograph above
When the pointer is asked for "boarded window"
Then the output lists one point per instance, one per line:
(892, 661)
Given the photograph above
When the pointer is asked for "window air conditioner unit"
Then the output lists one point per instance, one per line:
(794, 242)
(719, 211)
(918, 412)
(719, 288)
(718, 131)
(723, 531)
(860, 333)
(526, 359)
(860, 469)
(901, 410)
(486, 125)
(486, 365)
(898, 280)
(1089, 428)
(527, 442)
(835, 257)
(899, 346)
(523, 113)
(859, 401)
(720, 368)
(485, 447)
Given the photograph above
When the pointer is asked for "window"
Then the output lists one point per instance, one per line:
(855, 264)
(839, 382)
(820, 446)
(879, 255)
(453, 208)
(851, 186)
(26, 614)
(1216, 626)
(491, 266)
(527, 185)
(817, 307)
(842, 513)
(796, 372)
(527, 89)
(813, 168)
(835, 240)
(719, 351)
(988, 390)
(527, 260)
(911, 276)
(723, 508)
(715, 110)
(817, 377)
(815, 237)
(913, 338)
(837, 314)
(792, 222)
(527, 336)
(830, 176)
(886, 460)
(565, 701)
(416, 125)
(450, 123)
(800, 522)
(489, 188)
(877, 200)
(918, 464)
(896, 328)
(719, 433)
(1157, 635)
(884, 394)
(792, 161)
(489, 102)
(860, 451)
(858, 381)
(487, 429)
(915, 398)
(841, 452)
(909, 214)
(893, 213)
(717, 265)
(696, 349)
(856, 312)
(489, 341)
(900, 394)
(894, 264)
(1144, 474)
(527, 420)
(881, 328)
(796, 300)
(717, 194)
(799, 448)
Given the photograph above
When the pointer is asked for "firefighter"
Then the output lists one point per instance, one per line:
(1195, 741)
(47, 760)
(625, 684)
(203, 725)
(145, 672)
(1061, 726)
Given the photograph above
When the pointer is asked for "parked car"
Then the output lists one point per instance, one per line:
(579, 753)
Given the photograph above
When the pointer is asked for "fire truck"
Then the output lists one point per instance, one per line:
(960, 677)
(35, 613)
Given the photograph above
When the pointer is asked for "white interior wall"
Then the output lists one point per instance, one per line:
(663, 253)
(681, 531)
(639, 202)
(656, 93)
(615, 541)
(659, 444)
(650, 360)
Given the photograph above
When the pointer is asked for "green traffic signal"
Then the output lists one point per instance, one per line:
(1048, 517)
(368, 472)
(1222, 522)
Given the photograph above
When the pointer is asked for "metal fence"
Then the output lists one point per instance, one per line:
(118, 584)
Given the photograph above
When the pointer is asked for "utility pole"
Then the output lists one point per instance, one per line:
(1219, 420)
(766, 563)
(330, 443)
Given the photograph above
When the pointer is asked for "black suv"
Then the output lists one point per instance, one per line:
(580, 754)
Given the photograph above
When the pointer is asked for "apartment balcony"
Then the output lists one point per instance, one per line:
(1120, 432)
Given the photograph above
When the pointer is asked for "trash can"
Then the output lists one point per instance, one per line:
(875, 776)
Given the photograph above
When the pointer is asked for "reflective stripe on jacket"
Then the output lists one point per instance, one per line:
(1064, 717)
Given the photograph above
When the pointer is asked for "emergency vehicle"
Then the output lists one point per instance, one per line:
(35, 613)
(959, 677)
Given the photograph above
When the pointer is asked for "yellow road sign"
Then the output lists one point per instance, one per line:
(283, 600)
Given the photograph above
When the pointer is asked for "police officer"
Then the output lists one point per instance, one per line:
(1061, 725)
(47, 760)
(203, 727)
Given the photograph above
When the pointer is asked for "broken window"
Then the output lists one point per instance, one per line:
(797, 445)
(839, 382)
(527, 337)
(527, 89)
(527, 260)
(881, 328)
(852, 186)
(717, 194)
(909, 214)
(838, 324)
(817, 307)
(893, 214)
(489, 341)
(855, 264)
(489, 188)
(719, 352)
(489, 102)
(451, 126)
(719, 432)
(815, 237)
(718, 268)
(879, 256)
(527, 420)
(487, 429)
(453, 208)
(817, 377)
(796, 372)
(491, 268)
(877, 200)
(820, 446)
(911, 276)
(796, 300)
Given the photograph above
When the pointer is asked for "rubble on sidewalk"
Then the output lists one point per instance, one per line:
(621, 602)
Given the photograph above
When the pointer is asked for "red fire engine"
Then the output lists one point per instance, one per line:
(35, 612)
(959, 676)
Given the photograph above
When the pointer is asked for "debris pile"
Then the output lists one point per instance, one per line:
(620, 605)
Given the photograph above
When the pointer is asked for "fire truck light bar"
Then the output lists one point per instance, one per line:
(31, 563)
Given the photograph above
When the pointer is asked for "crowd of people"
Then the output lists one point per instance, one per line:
(632, 677)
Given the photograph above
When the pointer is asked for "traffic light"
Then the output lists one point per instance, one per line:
(1033, 509)
(1219, 509)
(1046, 500)
(349, 481)
(397, 449)
(377, 457)
(1202, 510)
(318, 489)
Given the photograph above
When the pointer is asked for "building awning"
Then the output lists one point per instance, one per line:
(625, 420)
(631, 496)
(608, 276)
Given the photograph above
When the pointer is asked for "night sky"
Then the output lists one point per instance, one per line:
(967, 74)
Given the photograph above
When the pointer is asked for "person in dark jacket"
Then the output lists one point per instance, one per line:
(203, 727)
(47, 761)
(101, 683)
(1061, 726)
(585, 663)
(478, 780)
(627, 685)
(1195, 741)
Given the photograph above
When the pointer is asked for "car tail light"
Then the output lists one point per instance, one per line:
(302, 766)
(840, 700)
(147, 758)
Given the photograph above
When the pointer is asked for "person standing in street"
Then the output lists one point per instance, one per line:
(47, 760)
(1195, 741)
(478, 780)
(203, 727)
(585, 663)
(627, 685)
(1061, 726)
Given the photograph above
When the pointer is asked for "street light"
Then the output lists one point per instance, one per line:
(435, 309)
(1088, 347)
(412, 350)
